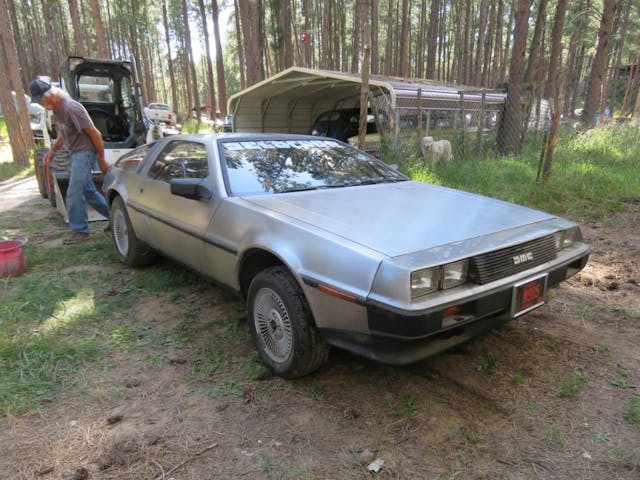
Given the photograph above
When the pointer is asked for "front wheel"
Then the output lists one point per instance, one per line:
(282, 325)
(129, 249)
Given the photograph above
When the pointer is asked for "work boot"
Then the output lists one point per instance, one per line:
(76, 237)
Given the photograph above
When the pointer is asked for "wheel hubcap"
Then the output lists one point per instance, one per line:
(120, 233)
(273, 325)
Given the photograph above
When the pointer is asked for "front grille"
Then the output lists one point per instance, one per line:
(491, 266)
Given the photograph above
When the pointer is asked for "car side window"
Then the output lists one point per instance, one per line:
(180, 159)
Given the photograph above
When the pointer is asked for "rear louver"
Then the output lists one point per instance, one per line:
(491, 266)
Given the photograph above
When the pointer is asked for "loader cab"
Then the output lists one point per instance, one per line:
(108, 91)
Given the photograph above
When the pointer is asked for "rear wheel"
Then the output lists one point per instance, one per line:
(282, 325)
(129, 249)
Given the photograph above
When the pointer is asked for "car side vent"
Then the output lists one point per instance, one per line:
(492, 266)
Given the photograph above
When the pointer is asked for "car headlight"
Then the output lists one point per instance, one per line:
(454, 273)
(566, 238)
(424, 281)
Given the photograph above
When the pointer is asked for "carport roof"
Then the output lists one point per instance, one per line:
(297, 82)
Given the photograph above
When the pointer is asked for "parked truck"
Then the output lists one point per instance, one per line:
(110, 92)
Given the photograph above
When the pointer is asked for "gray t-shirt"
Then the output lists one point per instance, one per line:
(71, 119)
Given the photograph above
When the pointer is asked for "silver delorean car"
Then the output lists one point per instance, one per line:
(332, 247)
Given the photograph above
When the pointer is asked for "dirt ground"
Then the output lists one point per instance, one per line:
(498, 408)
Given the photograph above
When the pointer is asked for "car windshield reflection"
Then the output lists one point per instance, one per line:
(268, 167)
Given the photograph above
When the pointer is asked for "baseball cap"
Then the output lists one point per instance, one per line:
(38, 88)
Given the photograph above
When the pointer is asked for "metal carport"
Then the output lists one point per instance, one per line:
(290, 100)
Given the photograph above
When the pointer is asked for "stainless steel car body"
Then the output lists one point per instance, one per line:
(351, 250)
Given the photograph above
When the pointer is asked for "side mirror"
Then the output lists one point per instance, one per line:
(191, 188)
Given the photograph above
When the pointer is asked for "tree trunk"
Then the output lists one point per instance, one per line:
(222, 85)
(251, 21)
(364, 87)
(240, 47)
(77, 29)
(509, 131)
(482, 33)
(432, 39)
(486, 79)
(172, 73)
(190, 65)
(496, 73)
(210, 82)
(17, 122)
(375, 52)
(594, 87)
(389, 46)
(27, 70)
(326, 58)
(12, 72)
(621, 28)
(404, 65)
(99, 28)
(534, 50)
(506, 50)
(357, 37)
(552, 88)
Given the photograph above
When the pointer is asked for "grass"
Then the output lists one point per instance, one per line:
(594, 173)
(408, 409)
(632, 415)
(574, 385)
(490, 365)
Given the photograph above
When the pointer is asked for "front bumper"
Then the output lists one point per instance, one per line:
(404, 337)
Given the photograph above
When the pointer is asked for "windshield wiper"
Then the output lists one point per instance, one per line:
(374, 181)
(297, 189)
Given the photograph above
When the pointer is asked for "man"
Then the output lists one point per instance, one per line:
(79, 135)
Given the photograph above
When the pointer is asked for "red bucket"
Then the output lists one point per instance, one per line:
(11, 258)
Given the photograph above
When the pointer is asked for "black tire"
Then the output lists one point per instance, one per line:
(39, 168)
(282, 325)
(129, 249)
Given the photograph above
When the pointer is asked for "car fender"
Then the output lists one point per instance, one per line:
(334, 275)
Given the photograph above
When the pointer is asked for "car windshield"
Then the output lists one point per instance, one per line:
(272, 166)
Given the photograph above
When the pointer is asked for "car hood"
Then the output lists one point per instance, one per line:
(400, 218)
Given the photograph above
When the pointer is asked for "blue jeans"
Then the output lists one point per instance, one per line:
(82, 190)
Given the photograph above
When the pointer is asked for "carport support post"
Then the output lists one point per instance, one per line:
(463, 120)
(420, 113)
(481, 124)
(364, 87)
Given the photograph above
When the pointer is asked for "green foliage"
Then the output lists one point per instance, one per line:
(573, 385)
(8, 169)
(628, 457)
(408, 409)
(594, 173)
(194, 126)
(490, 365)
(632, 415)
(623, 378)
(470, 436)
(558, 436)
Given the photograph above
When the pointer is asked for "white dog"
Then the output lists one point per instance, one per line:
(435, 151)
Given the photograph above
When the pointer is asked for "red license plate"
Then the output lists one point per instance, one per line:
(528, 295)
